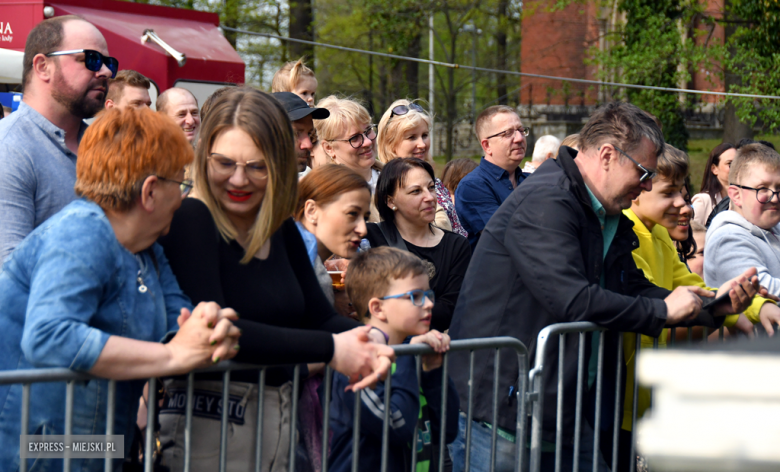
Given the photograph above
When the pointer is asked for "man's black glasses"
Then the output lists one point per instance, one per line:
(93, 60)
(648, 174)
(510, 133)
(763, 194)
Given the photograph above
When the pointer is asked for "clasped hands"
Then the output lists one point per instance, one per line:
(206, 336)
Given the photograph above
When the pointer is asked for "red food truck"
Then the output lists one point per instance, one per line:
(172, 47)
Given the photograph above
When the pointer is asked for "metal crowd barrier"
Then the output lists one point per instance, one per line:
(536, 394)
(28, 377)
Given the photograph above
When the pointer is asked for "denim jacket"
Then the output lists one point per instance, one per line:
(64, 291)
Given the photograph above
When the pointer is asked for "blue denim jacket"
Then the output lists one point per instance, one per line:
(64, 290)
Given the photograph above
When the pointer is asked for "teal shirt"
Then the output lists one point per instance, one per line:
(609, 225)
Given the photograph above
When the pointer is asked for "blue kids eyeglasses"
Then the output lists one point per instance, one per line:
(416, 296)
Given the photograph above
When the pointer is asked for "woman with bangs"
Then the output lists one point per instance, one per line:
(238, 245)
(404, 131)
(89, 289)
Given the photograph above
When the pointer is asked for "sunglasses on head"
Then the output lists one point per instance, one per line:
(93, 60)
(404, 109)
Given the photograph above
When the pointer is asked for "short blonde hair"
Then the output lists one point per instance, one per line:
(264, 119)
(748, 157)
(370, 273)
(121, 149)
(288, 76)
(572, 141)
(393, 127)
(344, 112)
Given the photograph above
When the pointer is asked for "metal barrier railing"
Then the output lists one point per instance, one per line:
(536, 394)
(29, 377)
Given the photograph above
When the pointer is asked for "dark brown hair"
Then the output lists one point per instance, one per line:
(454, 172)
(370, 273)
(710, 183)
(392, 178)
(46, 37)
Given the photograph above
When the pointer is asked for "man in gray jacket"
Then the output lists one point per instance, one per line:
(748, 235)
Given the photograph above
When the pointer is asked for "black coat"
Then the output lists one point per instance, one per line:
(539, 262)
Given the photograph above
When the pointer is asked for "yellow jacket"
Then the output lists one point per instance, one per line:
(658, 259)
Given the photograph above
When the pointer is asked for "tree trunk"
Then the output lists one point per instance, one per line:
(733, 129)
(501, 42)
(413, 68)
(451, 114)
(301, 27)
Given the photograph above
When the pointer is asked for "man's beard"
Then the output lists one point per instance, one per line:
(304, 160)
(78, 104)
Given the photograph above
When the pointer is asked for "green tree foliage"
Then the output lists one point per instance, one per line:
(752, 53)
(652, 48)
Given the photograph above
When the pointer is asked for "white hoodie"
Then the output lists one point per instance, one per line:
(734, 244)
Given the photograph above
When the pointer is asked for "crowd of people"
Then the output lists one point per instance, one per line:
(277, 229)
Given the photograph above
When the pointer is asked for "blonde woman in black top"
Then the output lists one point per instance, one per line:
(240, 234)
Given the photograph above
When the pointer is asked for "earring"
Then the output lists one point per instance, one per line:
(394, 208)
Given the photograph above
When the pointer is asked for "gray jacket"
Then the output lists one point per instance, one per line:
(734, 245)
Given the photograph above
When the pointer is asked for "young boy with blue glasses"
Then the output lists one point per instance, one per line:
(390, 289)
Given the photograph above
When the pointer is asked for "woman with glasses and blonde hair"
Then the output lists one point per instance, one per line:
(239, 245)
(89, 290)
(404, 131)
(348, 137)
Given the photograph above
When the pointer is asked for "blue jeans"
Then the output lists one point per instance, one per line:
(481, 438)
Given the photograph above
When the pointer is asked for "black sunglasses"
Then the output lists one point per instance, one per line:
(93, 60)
(404, 109)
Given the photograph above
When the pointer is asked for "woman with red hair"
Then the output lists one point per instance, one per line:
(91, 291)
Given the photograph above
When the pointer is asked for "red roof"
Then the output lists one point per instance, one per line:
(210, 57)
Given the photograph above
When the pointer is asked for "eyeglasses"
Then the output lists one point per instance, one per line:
(93, 60)
(510, 133)
(648, 174)
(416, 296)
(357, 140)
(226, 167)
(763, 194)
(404, 109)
(185, 185)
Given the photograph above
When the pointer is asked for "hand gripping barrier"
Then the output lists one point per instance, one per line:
(29, 377)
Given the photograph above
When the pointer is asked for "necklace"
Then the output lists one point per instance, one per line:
(141, 269)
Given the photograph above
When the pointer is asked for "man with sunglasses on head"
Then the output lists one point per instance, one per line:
(65, 79)
(302, 117)
(502, 137)
(559, 249)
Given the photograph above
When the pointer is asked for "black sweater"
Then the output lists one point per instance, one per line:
(285, 317)
(450, 258)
